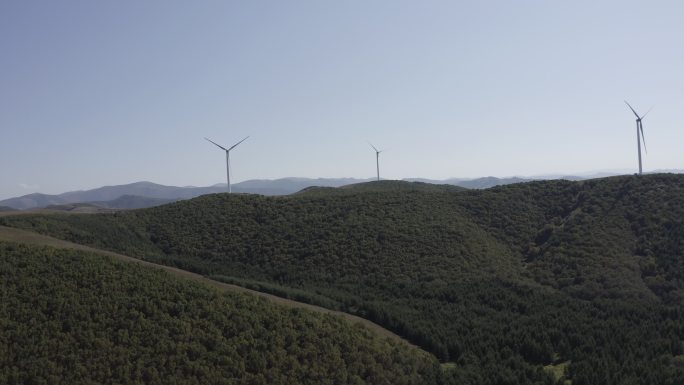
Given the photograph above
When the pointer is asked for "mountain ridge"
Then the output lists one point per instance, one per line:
(281, 186)
(268, 187)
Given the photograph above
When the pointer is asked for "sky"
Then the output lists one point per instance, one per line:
(97, 93)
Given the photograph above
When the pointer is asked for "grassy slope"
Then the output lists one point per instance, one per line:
(69, 317)
(502, 280)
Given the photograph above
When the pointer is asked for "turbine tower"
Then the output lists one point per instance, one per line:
(377, 158)
(227, 150)
(640, 132)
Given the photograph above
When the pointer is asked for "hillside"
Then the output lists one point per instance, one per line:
(124, 202)
(480, 183)
(380, 187)
(70, 317)
(586, 276)
(128, 202)
(75, 208)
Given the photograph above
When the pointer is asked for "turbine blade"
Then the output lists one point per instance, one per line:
(643, 138)
(371, 144)
(630, 107)
(649, 110)
(236, 144)
(216, 144)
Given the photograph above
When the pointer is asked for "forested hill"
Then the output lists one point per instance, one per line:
(68, 317)
(583, 278)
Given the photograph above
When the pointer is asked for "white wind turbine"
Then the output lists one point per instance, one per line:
(227, 150)
(640, 132)
(377, 158)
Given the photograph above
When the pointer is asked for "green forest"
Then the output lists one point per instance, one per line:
(69, 317)
(535, 283)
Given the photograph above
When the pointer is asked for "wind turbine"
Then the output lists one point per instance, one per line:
(377, 158)
(640, 132)
(227, 150)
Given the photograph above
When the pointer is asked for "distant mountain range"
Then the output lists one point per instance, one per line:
(147, 194)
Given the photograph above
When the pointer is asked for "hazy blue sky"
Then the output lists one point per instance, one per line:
(95, 93)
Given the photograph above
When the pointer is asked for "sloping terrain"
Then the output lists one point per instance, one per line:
(128, 202)
(503, 282)
(70, 317)
(15, 235)
(76, 208)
